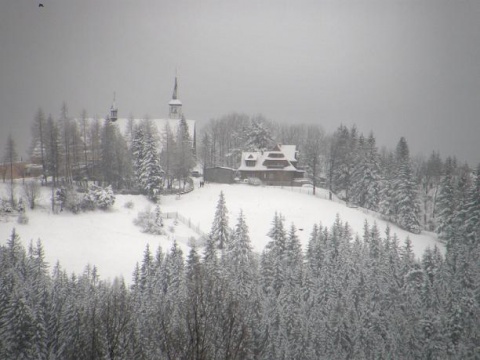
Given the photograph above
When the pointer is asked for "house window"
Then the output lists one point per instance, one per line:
(250, 163)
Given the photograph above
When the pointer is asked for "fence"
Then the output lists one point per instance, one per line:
(186, 221)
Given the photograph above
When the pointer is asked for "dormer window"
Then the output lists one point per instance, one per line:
(250, 163)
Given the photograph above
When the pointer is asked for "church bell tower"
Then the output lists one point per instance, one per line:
(113, 110)
(175, 105)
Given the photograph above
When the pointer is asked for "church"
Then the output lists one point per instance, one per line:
(175, 114)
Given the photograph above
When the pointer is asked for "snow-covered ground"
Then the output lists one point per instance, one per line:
(114, 244)
(107, 239)
(297, 205)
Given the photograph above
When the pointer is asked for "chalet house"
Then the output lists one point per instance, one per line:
(275, 167)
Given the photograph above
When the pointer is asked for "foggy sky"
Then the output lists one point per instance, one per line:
(399, 68)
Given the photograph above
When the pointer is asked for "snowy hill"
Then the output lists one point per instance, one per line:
(297, 205)
(114, 244)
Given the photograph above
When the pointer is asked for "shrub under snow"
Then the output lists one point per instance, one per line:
(96, 197)
(103, 198)
(151, 222)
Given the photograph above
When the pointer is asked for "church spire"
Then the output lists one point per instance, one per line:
(175, 104)
(175, 90)
(113, 110)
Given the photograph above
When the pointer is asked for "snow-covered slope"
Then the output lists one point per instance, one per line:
(107, 239)
(114, 244)
(259, 205)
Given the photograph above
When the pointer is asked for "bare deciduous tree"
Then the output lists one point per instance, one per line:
(32, 192)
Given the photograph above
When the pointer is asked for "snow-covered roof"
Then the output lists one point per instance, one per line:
(263, 158)
(251, 155)
(175, 102)
(289, 151)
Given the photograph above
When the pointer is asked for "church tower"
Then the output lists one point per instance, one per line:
(113, 110)
(175, 111)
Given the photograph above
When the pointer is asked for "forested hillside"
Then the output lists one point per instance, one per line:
(346, 296)
(405, 189)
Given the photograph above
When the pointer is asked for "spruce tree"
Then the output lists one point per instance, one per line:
(445, 207)
(240, 258)
(407, 210)
(472, 209)
(258, 136)
(220, 232)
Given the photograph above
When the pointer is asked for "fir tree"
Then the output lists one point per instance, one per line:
(446, 201)
(407, 211)
(220, 232)
(240, 258)
(472, 209)
(258, 136)
(366, 187)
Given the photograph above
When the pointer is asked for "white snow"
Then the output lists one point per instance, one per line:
(114, 244)
(107, 239)
(297, 205)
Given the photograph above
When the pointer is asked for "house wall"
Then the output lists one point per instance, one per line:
(279, 177)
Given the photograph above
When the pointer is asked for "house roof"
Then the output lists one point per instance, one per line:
(174, 102)
(265, 157)
(289, 151)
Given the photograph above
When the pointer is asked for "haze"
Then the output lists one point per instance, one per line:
(399, 68)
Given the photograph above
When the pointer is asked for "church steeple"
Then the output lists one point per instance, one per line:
(113, 110)
(175, 90)
(175, 104)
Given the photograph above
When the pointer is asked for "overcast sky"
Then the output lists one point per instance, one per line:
(399, 68)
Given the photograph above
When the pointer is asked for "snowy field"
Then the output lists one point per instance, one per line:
(297, 205)
(114, 244)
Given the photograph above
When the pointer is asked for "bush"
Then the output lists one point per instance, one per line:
(105, 198)
(254, 181)
(22, 219)
(151, 222)
(21, 206)
(69, 199)
(5, 206)
(98, 197)
(129, 205)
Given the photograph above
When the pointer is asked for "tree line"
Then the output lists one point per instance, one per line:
(404, 189)
(346, 296)
(70, 151)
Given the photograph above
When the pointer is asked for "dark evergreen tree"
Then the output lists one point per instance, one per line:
(446, 200)
(407, 211)
(366, 174)
(220, 233)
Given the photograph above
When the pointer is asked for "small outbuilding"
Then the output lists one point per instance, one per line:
(219, 174)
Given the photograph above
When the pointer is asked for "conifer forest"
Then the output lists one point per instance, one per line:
(344, 296)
